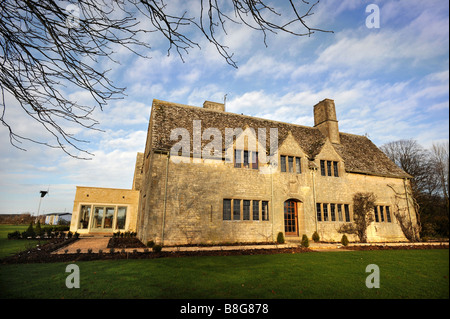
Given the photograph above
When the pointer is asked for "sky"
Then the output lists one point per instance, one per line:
(389, 83)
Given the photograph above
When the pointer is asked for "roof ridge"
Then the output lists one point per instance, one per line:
(233, 114)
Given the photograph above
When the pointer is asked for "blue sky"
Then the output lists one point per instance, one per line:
(390, 83)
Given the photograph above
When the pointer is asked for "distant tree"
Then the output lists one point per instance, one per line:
(440, 162)
(45, 48)
(429, 186)
(410, 156)
(363, 206)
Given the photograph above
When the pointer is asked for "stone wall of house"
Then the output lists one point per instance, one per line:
(97, 196)
(138, 172)
(182, 203)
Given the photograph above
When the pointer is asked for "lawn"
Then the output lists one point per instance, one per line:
(403, 274)
(11, 247)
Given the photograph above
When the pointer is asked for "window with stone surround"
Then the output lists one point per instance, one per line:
(291, 164)
(246, 159)
(329, 168)
(332, 212)
(382, 214)
(250, 210)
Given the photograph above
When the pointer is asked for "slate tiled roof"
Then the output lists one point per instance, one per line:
(360, 155)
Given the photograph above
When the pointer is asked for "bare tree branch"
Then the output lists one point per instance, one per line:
(46, 48)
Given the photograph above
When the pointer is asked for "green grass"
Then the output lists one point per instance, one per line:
(11, 247)
(403, 274)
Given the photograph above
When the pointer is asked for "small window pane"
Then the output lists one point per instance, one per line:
(98, 217)
(333, 212)
(388, 214)
(322, 168)
(336, 171)
(227, 209)
(381, 213)
(85, 213)
(255, 160)
(283, 163)
(347, 213)
(325, 212)
(319, 212)
(375, 211)
(237, 158)
(246, 163)
(265, 210)
(329, 168)
(298, 168)
(236, 209)
(109, 215)
(246, 210)
(339, 208)
(255, 210)
(121, 217)
(291, 164)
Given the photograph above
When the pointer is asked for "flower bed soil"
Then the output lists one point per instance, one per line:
(388, 247)
(43, 254)
(125, 242)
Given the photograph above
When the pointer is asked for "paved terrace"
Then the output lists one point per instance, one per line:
(101, 243)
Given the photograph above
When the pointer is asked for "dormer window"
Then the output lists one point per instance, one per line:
(245, 159)
(291, 164)
(329, 168)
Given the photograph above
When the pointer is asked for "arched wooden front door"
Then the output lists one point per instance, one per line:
(291, 218)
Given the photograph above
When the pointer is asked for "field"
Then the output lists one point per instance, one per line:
(403, 274)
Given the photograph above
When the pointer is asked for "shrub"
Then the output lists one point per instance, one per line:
(89, 250)
(150, 243)
(14, 235)
(30, 231)
(305, 241)
(315, 236)
(157, 248)
(38, 231)
(344, 240)
(280, 238)
(78, 250)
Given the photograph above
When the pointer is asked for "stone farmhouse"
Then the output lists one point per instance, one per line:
(211, 176)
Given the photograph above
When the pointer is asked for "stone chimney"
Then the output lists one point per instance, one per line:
(325, 120)
(214, 106)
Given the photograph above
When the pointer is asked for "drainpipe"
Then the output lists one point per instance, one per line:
(273, 211)
(313, 171)
(407, 204)
(165, 199)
